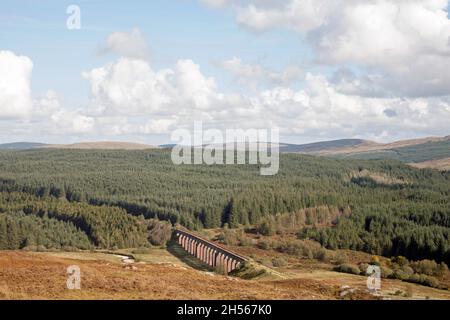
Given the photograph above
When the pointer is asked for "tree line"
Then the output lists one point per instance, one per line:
(53, 222)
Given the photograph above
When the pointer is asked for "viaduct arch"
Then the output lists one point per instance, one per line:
(208, 252)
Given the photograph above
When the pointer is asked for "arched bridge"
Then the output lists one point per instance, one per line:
(208, 252)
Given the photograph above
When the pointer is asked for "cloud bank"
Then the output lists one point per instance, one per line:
(391, 79)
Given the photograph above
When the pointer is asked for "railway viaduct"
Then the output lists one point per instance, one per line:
(208, 252)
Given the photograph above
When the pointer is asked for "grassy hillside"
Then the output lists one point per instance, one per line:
(410, 154)
(318, 147)
(102, 145)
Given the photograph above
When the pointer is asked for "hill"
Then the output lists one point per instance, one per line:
(102, 145)
(21, 145)
(426, 153)
(430, 152)
(325, 146)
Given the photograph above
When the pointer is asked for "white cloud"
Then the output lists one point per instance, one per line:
(127, 44)
(192, 86)
(15, 95)
(158, 126)
(129, 87)
(28, 116)
(299, 15)
(71, 122)
(320, 110)
(184, 94)
(255, 75)
(128, 97)
(404, 42)
(215, 3)
(47, 104)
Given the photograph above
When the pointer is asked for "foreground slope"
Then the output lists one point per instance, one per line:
(25, 275)
(43, 276)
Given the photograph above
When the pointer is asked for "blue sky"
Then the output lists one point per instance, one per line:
(174, 29)
(318, 70)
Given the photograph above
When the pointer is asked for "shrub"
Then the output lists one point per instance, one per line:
(266, 262)
(400, 260)
(229, 237)
(159, 232)
(340, 259)
(363, 267)
(265, 244)
(321, 255)
(424, 280)
(408, 270)
(279, 262)
(442, 269)
(266, 228)
(347, 268)
(400, 275)
(307, 253)
(386, 272)
(245, 241)
(248, 270)
(428, 267)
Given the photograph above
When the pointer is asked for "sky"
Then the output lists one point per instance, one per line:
(139, 70)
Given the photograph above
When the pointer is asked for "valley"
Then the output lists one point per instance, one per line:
(309, 232)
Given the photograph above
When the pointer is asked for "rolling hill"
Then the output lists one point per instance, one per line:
(326, 147)
(431, 152)
(102, 145)
(21, 145)
(426, 153)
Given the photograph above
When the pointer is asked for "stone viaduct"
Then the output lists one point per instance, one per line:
(208, 252)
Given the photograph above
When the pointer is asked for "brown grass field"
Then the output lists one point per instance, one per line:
(159, 275)
(43, 276)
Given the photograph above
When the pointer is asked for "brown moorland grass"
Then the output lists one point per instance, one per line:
(25, 275)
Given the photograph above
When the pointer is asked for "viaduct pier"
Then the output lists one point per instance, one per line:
(209, 252)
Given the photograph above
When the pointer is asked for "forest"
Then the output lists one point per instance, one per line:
(105, 198)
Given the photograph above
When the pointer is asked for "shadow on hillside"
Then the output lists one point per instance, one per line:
(175, 249)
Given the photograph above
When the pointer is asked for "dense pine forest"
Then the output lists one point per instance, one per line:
(105, 198)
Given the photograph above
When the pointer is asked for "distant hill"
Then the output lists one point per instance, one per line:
(373, 147)
(421, 153)
(170, 145)
(310, 148)
(325, 146)
(21, 145)
(104, 145)
(430, 152)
